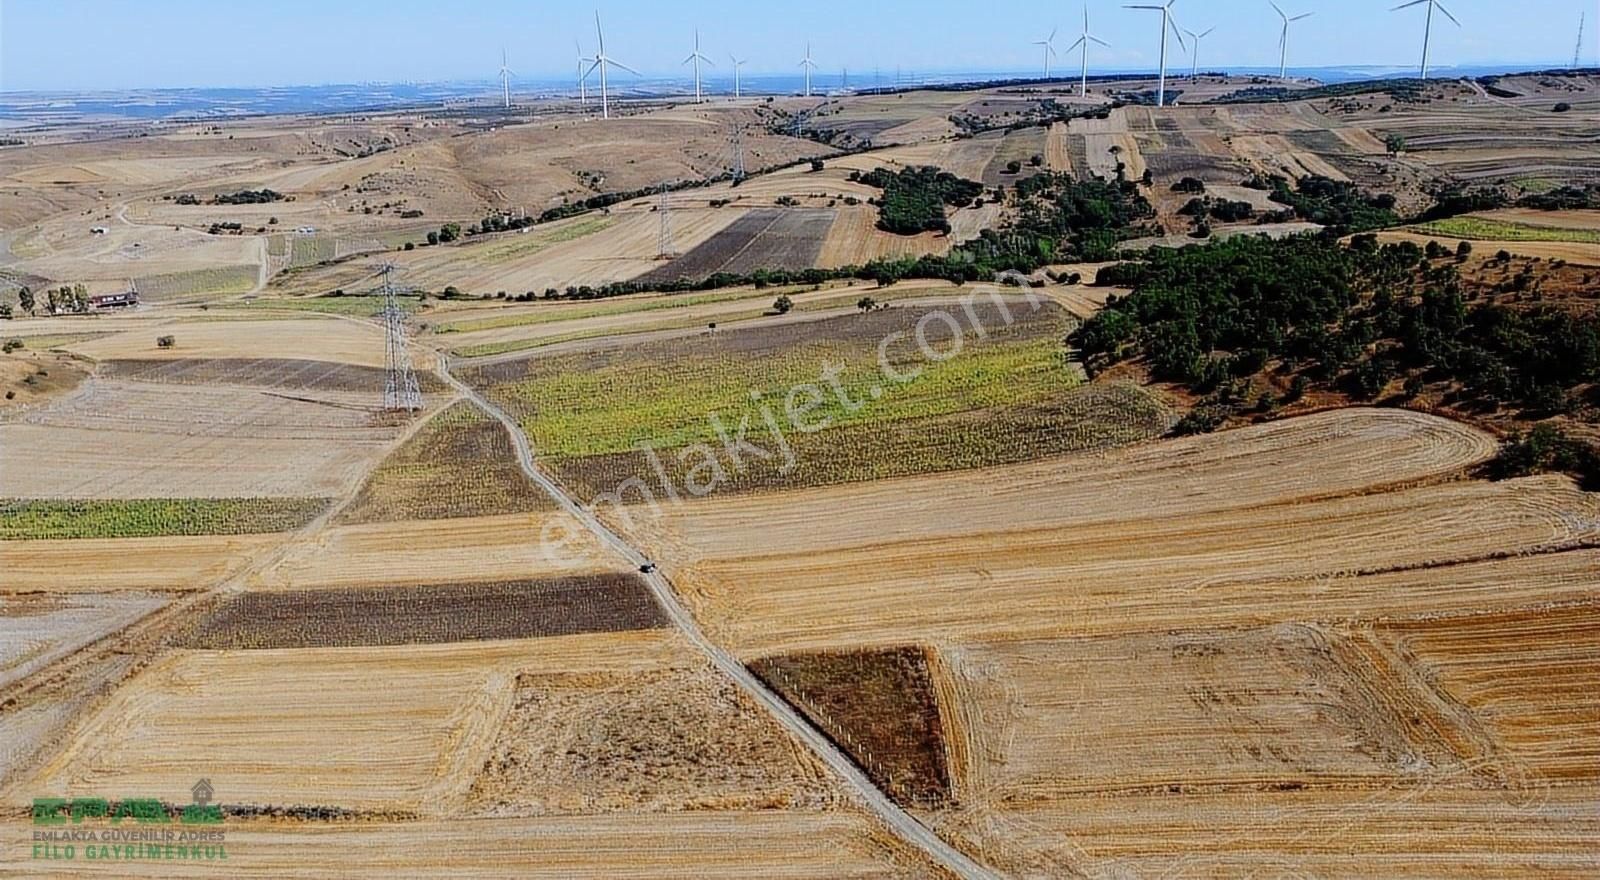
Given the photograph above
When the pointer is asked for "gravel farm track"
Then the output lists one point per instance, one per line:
(897, 819)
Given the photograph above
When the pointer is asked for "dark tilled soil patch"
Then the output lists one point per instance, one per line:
(880, 706)
(423, 615)
(765, 238)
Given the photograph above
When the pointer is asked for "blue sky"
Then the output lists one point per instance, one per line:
(83, 44)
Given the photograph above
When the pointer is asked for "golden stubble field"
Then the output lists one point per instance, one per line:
(1304, 647)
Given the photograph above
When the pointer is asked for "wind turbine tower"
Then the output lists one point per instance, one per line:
(1194, 58)
(808, 65)
(1283, 39)
(1049, 44)
(583, 77)
(696, 57)
(505, 78)
(736, 65)
(1577, 54)
(1427, 30)
(1083, 43)
(1166, 24)
(602, 62)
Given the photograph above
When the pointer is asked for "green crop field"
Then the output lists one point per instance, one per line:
(358, 306)
(198, 283)
(1007, 396)
(26, 520)
(1483, 229)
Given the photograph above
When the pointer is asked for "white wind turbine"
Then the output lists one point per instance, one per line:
(1427, 31)
(583, 78)
(1283, 38)
(1166, 24)
(696, 57)
(736, 65)
(1194, 59)
(505, 78)
(808, 65)
(602, 61)
(1049, 44)
(1084, 41)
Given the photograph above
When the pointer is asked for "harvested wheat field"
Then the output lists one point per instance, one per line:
(315, 339)
(128, 440)
(438, 551)
(722, 845)
(112, 564)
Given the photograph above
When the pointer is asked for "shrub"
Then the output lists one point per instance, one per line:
(166, 341)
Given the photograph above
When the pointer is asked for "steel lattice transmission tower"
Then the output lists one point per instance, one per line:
(738, 152)
(401, 392)
(665, 210)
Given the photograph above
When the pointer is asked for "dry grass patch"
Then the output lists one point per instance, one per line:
(689, 738)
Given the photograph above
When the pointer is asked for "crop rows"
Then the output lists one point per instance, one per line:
(26, 520)
(460, 464)
(428, 614)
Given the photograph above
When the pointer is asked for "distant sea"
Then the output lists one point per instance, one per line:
(199, 104)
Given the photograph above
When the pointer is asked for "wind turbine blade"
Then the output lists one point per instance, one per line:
(1101, 42)
(1207, 33)
(689, 59)
(591, 69)
(1440, 7)
(708, 61)
(1051, 49)
(1280, 11)
(1076, 44)
(1052, 36)
(1307, 15)
(1408, 5)
(623, 66)
(1177, 32)
(599, 34)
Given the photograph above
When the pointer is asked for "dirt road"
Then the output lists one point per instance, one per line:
(897, 819)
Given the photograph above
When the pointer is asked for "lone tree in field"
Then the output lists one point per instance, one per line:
(1395, 144)
(166, 341)
(866, 304)
(783, 304)
(25, 300)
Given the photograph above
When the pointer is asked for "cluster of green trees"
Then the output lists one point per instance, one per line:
(1082, 218)
(1355, 318)
(64, 300)
(1338, 204)
(248, 197)
(1225, 210)
(914, 199)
